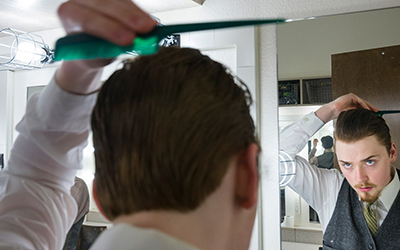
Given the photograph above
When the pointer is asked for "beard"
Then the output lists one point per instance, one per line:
(367, 196)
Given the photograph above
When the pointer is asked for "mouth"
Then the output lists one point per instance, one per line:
(365, 189)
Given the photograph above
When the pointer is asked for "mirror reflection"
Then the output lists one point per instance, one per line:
(306, 74)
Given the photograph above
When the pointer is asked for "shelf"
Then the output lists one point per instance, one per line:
(306, 91)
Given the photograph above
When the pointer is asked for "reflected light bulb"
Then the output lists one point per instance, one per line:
(28, 52)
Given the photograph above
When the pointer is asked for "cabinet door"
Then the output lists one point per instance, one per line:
(373, 75)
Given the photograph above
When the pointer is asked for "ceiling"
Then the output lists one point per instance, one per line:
(38, 15)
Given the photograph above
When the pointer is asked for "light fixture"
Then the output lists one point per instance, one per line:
(23, 50)
(287, 168)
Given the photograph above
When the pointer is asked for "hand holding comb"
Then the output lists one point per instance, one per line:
(84, 46)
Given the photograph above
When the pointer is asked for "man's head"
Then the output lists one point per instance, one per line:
(164, 129)
(365, 151)
(327, 142)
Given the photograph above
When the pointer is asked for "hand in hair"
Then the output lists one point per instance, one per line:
(331, 110)
(315, 143)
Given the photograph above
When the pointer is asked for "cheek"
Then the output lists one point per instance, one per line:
(380, 176)
(383, 178)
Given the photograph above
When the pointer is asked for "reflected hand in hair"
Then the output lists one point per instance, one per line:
(331, 110)
(315, 143)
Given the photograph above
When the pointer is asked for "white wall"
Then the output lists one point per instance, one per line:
(6, 83)
(305, 47)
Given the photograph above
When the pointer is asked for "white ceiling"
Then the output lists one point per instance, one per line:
(38, 15)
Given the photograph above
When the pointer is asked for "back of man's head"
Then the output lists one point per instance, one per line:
(164, 128)
(357, 124)
(327, 142)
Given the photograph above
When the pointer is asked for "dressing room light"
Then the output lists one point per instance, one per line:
(287, 168)
(23, 50)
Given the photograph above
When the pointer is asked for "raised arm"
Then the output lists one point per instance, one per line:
(311, 156)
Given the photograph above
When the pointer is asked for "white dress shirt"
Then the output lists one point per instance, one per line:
(320, 187)
(36, 208)
(128, 237)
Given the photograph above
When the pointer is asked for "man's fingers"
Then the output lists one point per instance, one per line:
(370, 106)
(76, 17)
(361, 103)
(123, 11)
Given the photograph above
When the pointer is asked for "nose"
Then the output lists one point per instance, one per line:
(360, 173)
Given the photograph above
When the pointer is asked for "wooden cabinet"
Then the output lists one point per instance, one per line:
(373, 75)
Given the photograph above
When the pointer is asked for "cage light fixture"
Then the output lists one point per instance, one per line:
(23, 50)
(287, 168)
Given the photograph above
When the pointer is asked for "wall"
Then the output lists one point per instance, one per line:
(305, 47)
(6, 81)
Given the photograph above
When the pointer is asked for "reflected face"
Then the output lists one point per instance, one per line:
(366, 166)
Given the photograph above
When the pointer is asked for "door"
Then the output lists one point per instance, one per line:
(373, 75)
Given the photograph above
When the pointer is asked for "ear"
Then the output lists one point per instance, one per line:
(393, 153)
(246, 188)
(96, 200)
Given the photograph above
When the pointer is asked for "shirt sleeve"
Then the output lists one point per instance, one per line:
(318, 187)
(36, 207)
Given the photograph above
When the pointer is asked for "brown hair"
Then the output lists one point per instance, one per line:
(356, 124)
(164, 128)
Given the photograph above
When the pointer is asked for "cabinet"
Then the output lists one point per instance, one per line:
(305, 91)
(373, 75)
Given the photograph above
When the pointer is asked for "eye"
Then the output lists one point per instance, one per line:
(370, 162)
(346, 165)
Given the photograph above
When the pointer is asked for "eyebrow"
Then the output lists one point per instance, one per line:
(368, 158)
(363, 160)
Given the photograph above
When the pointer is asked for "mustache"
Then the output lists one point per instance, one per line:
(364, 185)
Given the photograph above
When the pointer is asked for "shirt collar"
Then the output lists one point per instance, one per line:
(389, 192)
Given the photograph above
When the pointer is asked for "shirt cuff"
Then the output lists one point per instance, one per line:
(310, 124)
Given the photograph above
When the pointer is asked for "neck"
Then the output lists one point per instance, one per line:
(191, 228)
(392, 172)
(218, 223)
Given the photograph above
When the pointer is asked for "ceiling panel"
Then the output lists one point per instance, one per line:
(37, 15)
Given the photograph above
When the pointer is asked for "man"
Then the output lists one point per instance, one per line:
(357, 209)
(326, 160)
(175, 147)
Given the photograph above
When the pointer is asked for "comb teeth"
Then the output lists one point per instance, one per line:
(84, 46)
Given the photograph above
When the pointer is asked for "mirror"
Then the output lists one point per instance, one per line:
(304, 55)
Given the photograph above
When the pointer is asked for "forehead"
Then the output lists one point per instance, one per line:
(360, 149)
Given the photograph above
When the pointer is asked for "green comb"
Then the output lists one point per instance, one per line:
(382, 112)
(84, 46)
